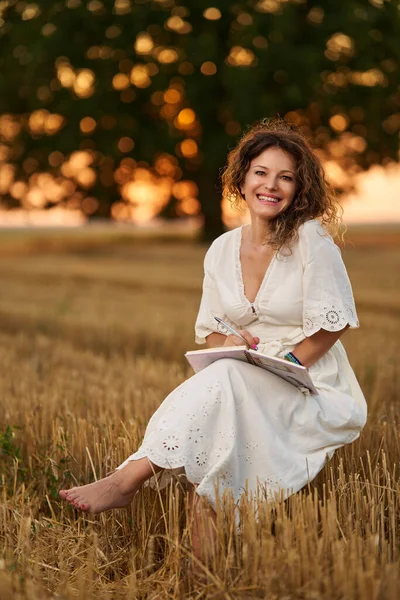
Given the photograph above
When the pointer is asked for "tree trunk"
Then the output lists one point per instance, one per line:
(210, 200)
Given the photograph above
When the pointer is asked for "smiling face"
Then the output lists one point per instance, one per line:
(270, 183)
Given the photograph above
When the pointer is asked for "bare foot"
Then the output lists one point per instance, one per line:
(115, 491)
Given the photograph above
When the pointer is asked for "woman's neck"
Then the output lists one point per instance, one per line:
(257, 235)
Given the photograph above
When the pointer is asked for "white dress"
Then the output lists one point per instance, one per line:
(236, 426)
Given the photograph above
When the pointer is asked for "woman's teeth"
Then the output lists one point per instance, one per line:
(268, 199)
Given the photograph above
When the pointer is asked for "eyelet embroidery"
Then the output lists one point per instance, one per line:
(201, 459)
(330, 313)
(171, 443)
(196, 436)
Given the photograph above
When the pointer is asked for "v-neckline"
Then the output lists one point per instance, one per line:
(240, 272)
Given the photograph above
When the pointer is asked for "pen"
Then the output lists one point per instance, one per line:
(232, 330)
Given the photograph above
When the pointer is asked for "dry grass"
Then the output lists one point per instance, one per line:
(78, 327)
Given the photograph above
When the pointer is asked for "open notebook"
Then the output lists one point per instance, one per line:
(294, 374)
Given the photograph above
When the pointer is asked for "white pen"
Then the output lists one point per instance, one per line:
(232, 330)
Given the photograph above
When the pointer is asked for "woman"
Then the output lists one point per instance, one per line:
(281, 281)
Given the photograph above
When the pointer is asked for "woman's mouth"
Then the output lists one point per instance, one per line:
(265, 199)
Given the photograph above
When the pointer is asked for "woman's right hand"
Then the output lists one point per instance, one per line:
(234, 340)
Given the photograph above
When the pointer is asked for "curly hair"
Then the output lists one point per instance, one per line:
(314, 198)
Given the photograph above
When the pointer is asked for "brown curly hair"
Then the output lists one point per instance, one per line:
(314, 198)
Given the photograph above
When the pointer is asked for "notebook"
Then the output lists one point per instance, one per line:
(290, 372)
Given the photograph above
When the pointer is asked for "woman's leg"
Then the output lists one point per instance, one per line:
(203, 526)
(115, 491)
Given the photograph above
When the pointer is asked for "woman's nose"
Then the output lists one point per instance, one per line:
(270, 184)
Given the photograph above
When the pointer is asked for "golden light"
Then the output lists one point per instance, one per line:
(244, 19)
(356, 143)
(55, 158)
(35, 198)
(152, 69)
(87, 125)
(185, 119)
(120, 81)
(177, 24)
(53, 123)
(269, 6)
(123, 174)
(189, 148)
(144, 43)
(368, 78)
(48, 29)
(37, 120)
(379, 182)
(9, 127)
(392, 124)
(31, 11)
(184, 189)
(113, 31)
(157, 98)
(126, 144)
(339, 122)
(7, 173)
(240, 57)
(44, 93)
(189, 206)
(212, 14)
(147, 195)
(316, 15)
(172, 96)
(66, 75)
(140, 76)
(339, 45)
(168, 111)
(336, 173)
(18, 190)
(90, 205)
(208, 68)
(122, 7)
(167, 56)
(166, 165)
(95, 6)
(260, 42)
(93, 52)
(86, 177)
(83, 84)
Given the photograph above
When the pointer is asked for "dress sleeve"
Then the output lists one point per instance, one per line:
(328, 301)
(210, 304)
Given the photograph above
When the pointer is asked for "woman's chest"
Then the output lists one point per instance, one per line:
(254, 268)
(270, 292)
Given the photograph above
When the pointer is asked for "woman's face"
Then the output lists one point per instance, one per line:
(270, 183)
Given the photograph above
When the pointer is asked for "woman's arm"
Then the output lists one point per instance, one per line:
(314, 347)
(215, 340)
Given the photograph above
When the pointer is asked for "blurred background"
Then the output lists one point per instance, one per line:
(124, 110)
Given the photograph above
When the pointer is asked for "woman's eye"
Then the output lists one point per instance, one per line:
(287, 177)
(259, 172)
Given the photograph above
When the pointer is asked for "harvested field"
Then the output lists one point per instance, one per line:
(92, 340)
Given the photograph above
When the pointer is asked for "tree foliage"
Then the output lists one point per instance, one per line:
(149, 78)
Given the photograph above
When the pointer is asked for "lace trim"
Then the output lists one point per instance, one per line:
(330, 314)
(211, 326)
(239, 273)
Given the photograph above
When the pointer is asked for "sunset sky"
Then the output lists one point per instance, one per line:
(377, 197)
